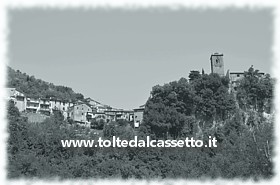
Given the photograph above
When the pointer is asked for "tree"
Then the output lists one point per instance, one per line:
(206, 97)
(37, 88)
(194, 75)
(255, 91)
(97, 124)
(213, 102)
(200, 108)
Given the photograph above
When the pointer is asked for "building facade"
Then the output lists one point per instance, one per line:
(61, 105)
(44, 107)
(97, 106)
(32, 105)
(138, 116)
(119, 114)
(18, 98)
(81, 113)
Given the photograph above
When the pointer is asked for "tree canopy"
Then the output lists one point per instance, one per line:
(37, 88)
(255, 91)
(200, 107)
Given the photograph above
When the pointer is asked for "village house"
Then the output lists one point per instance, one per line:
(81, 113)
(102, 108)
(138, 116)
(92, 102)
(61, 105)
(18, 98)
(45, 106)
(235, 77)
(32, 105)
(99, 107)
(119, 114)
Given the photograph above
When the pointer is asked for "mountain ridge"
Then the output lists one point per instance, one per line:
(38, 88)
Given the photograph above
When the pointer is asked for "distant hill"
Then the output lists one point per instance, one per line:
(36, 88)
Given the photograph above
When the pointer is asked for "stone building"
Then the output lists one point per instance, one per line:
(32, 105)
(119, 114)
(81, 113)
(217, 64)
(138, 116)
(17, 97)
(45, 106)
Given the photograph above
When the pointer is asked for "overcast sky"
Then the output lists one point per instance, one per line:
(116, 56)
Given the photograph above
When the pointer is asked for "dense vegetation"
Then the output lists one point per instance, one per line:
(37, 88)
(199, 107)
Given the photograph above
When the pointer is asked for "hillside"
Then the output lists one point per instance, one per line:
(176, 112)
(185, 106)
(33, 87)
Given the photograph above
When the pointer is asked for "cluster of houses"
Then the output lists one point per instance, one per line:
(81, 112)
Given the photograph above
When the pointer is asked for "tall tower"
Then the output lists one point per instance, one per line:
(217, 64)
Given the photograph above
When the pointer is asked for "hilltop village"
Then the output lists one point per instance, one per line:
(235, 108)
(83, 112)
(80, 112)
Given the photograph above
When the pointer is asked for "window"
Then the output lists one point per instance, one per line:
(82, 113)
(238, 75)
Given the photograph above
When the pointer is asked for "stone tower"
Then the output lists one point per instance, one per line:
(217, 64)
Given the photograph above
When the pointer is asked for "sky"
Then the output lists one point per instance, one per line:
(116, 56)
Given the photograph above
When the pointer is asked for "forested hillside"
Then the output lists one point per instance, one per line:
(205, 99)
(201, 106)
(38, 88)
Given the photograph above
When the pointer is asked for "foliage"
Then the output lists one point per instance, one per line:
(206, 98)
(119, 128)
(194, 75)
(37, 88)
(97, 124)
(200, 108)
(255, 92)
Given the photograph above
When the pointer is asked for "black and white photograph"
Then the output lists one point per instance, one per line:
(140, 94)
